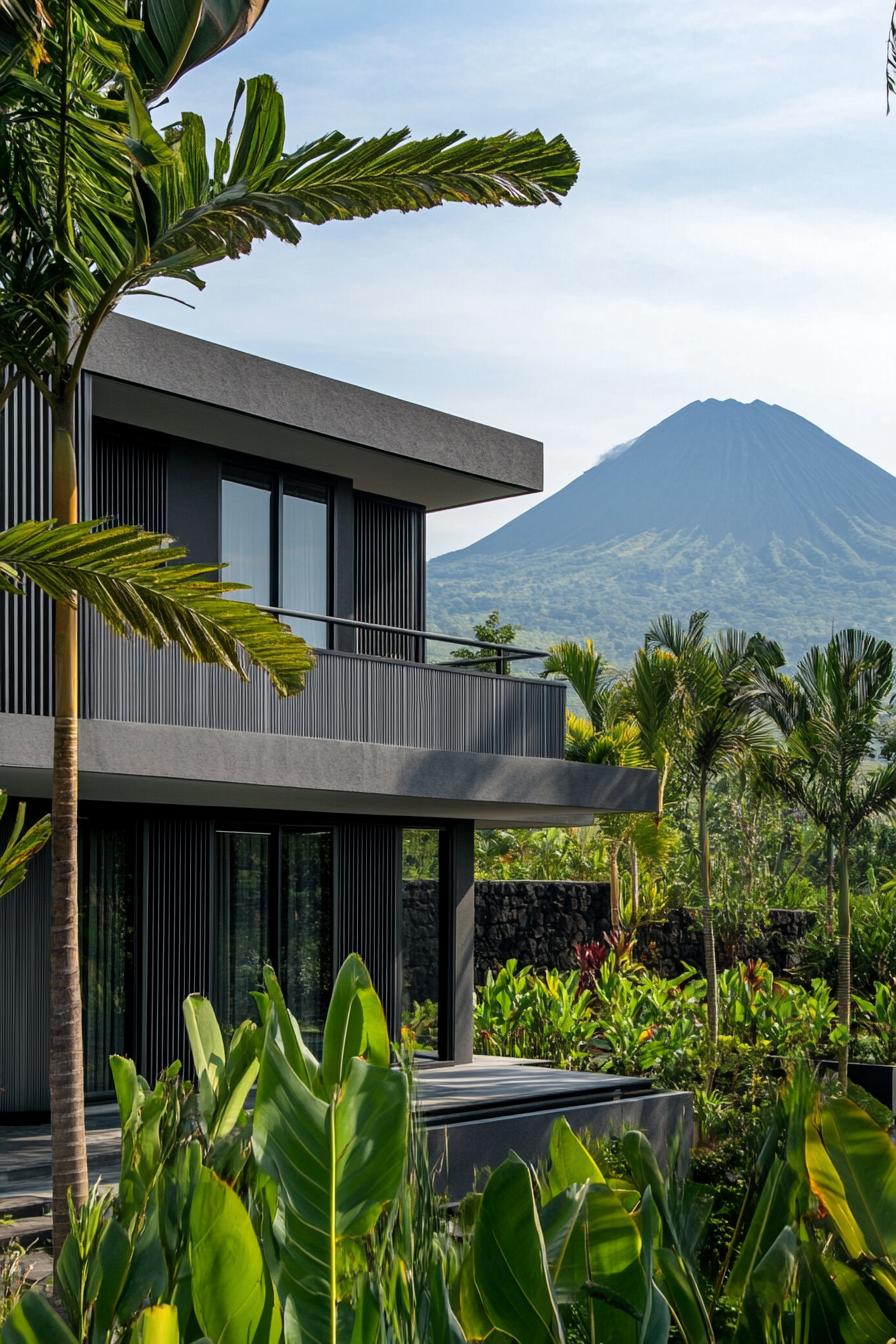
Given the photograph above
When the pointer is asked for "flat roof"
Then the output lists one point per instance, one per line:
(160, 379)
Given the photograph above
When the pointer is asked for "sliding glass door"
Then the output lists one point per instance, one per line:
(306, 927)
(241, 922)
(274, 903)
(105, 910)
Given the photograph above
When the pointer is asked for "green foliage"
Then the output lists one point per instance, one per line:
(530, 1016)
(876, 1026)
(490, 631)
(569, 854)
(19, 846)
(337, 1224)
(138, 583)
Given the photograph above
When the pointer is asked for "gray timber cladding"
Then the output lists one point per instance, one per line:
(26, 624)
(24, 1004)
(390, 574)
(367, 915)
(349, 697)
(130, 477)
(175, 933)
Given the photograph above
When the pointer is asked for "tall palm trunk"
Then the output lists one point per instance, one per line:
(709, 933)
(636, 879)
(66, 1060)
(615, 903)
(829, 882)
(844, 954)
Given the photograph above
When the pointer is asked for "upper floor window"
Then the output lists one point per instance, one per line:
(275, 536)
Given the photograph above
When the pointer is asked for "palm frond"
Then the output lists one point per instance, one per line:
(137, 582)
(586, 671)
(178, 35)
(873, 795)
(668, 633)
(20, 846)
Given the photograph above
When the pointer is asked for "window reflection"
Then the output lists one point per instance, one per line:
(246, 539)
(420, 937)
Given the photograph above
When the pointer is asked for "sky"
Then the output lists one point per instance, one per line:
(730, 234)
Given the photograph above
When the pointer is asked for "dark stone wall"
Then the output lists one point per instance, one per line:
(538, 923)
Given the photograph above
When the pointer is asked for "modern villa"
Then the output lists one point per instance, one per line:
(223, 827)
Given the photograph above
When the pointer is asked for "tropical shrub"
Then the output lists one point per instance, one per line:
(876, 1038)
(527, 1015)
(314, 1219)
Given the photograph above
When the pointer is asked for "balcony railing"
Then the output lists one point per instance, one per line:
(496, 657)
(450, 705)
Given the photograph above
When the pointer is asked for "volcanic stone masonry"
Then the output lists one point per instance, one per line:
(539, 922)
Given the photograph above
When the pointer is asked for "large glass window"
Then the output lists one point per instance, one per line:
(246, 538)
(305, 583)
(420, 916)
(275, 536)
(278, 911)
(106, 941)
(241, 921)
(306, 928)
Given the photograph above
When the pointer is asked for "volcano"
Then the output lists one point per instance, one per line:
(746, 510)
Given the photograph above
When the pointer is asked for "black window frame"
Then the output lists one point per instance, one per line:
(281, 480)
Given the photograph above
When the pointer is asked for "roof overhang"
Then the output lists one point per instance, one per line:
(162, 380)
(128, 762)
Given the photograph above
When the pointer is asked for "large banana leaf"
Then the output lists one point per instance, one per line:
(225, 1074)
(510, 1260)
(336, 1163)
(570, 1161)
(864, 1159)
(33, 1321)
(233, 1296)
(593, 1244)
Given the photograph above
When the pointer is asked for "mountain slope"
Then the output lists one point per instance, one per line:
(747, 510)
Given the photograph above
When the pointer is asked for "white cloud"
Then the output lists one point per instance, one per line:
(730, 236)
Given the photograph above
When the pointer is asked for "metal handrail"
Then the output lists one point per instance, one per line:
(502, 653)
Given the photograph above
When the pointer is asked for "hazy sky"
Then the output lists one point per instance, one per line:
(730, 235)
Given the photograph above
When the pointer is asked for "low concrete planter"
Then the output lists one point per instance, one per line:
(878, 1080)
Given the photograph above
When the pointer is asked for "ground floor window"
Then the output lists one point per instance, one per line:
(306, 927)
(273, 902)
(420, 936)
(106, 928)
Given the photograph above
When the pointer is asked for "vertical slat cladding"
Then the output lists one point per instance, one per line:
(175, 933)
(24, 973)
(368, 906)
(347, 697)
(26, 672)
(26, 623)
(130, 478)
(388, 574)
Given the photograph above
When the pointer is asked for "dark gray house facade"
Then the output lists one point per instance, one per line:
(223, 827)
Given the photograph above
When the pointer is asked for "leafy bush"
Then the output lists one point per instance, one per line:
(876, 1025)
(314, 1219)
(530, 1016)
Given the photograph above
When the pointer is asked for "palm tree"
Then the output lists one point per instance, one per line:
(716, 728)
(607, 736)
(96, 204)
(830, 712)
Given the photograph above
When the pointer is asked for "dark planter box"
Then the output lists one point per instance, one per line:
(878, 1080)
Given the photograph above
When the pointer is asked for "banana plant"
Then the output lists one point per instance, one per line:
(331, 1137)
